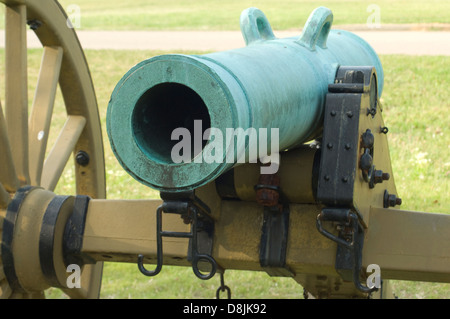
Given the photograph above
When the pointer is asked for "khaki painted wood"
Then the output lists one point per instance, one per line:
(129, 229)
(16, 88)
(409, 245)
(61, 151)
(42, 110)
(8, 177)
(364, 197)
(295, 172)
(26, 241)
(406, 245)
(4, 197)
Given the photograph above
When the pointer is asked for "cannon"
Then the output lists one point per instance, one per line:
(273, 157)
(270, 84)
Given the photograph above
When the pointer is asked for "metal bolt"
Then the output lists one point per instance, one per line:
(380, 176)
(365, 162)
(348, 146)
(326, 177)
(329, 146)
(34, 24)
(390, 200)
(345, 179)
(350, 114)
(372, 111)
(82, 158)
(333, 113)
(367, 139)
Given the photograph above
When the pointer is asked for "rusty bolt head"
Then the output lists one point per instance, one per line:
(380, 176)
(391, 200)
(267, 193)
(267, 197)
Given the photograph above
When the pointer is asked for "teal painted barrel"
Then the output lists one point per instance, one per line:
(168, 115)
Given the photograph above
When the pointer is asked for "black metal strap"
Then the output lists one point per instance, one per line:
(8, 235)
(273, 248)
(275, 228)
(338, 165)
(47, 239)
(74, 231)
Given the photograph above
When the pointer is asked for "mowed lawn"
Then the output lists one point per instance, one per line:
(416, 110)
(224, 15)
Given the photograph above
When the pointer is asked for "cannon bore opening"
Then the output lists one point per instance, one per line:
(162, 109)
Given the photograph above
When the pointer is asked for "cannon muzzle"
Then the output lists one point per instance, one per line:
(177, 122)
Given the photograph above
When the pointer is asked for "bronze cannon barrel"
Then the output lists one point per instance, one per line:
(177, 122)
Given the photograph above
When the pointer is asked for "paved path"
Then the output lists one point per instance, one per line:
(384, 42)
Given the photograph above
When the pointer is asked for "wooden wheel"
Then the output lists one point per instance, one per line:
(24, 156)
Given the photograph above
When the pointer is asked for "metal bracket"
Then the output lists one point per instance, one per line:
(272, 254)
(350, 243)
(195, 212)
(274, 238)
(339, 158)
(74, 231)
(339, 167)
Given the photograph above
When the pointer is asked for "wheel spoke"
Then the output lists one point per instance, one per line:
(7, 171)
(41, 112)
(16, 97)
(4, 197)
(61, 151)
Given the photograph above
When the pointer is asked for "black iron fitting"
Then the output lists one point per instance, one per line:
(349, 241)
(340, 162)
(193, 211)
(275, 228)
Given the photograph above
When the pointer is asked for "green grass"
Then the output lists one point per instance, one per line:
(224, 15)
(416, 104)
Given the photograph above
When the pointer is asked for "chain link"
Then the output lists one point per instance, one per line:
(223, 288)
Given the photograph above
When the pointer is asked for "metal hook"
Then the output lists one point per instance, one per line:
(196, 257)
(148, 272)
(345, 216)
(196, 270)
(331, 236)
(159, 252)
